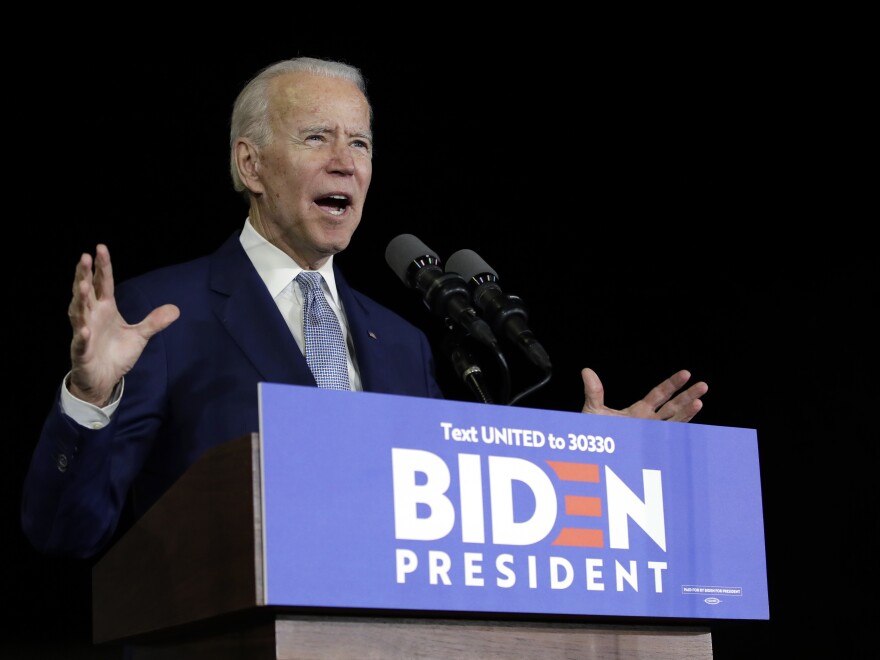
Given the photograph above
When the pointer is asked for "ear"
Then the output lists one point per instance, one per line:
(247, 160)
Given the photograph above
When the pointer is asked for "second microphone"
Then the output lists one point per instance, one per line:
(506, 314)
(445, 293)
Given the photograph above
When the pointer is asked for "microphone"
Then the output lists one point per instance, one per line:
(445, 294)
(506, 314)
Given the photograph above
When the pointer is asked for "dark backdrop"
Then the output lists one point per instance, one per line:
(657, 203)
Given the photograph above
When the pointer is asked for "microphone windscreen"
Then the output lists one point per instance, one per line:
(468, 264)
(402, 251)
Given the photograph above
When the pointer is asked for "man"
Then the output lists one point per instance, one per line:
(142, 401)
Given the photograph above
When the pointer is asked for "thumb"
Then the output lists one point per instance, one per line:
(594, 393)
(159, 319)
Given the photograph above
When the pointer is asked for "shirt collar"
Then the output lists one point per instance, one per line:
(276, 268)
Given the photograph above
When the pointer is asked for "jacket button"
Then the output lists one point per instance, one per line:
(61, 462)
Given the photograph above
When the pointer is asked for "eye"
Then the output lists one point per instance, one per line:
(315, 137)
(361, 144)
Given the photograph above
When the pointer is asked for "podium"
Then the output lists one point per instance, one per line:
(195, 577)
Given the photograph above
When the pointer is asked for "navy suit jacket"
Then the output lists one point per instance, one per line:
(195, 386)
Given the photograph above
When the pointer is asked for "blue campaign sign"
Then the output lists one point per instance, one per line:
(388, 502)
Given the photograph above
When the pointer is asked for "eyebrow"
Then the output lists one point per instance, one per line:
(326, 129)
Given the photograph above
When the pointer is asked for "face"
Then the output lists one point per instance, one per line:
(310, 183)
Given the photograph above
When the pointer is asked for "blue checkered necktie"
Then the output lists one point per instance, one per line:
(325, 346)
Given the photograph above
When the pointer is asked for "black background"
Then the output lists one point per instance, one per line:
(660, 199)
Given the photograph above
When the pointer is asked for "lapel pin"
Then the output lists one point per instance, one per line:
(372, 335)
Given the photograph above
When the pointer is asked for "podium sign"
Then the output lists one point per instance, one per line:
(388, 502)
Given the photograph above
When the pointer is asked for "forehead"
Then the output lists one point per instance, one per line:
(302, 96)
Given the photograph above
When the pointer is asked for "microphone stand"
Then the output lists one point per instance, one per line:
(469, 370)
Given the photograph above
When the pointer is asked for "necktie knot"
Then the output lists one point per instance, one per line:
(310, 284)
(324, 344)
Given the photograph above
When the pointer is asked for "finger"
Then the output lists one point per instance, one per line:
(83, 273)
(683, 407)
(688, 412)
(80, 343)
(104, 287)
(663, 392)
(82, 287)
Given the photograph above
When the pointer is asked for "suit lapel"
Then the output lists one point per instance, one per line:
(243, 305)
(367, 340)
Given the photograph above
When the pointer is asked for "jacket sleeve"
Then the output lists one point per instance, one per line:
(68, 504)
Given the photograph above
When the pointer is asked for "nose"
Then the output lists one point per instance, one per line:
(341, 158)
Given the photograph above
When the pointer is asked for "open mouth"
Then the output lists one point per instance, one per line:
(334, 204)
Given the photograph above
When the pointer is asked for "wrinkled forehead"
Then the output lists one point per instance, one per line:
(305, 97)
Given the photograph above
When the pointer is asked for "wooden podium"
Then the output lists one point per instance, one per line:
(186, 581)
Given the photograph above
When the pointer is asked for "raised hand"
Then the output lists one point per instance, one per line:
(104, 347)
(667, 401)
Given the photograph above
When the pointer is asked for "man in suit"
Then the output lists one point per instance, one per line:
(142, 401)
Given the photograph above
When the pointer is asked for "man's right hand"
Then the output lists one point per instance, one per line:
(104, 347)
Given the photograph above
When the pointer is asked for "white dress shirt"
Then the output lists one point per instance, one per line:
(278, 271)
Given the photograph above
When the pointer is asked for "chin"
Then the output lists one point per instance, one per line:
(338, 239)
(334, 245)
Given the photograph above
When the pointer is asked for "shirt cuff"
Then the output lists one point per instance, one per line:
(87, 414)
